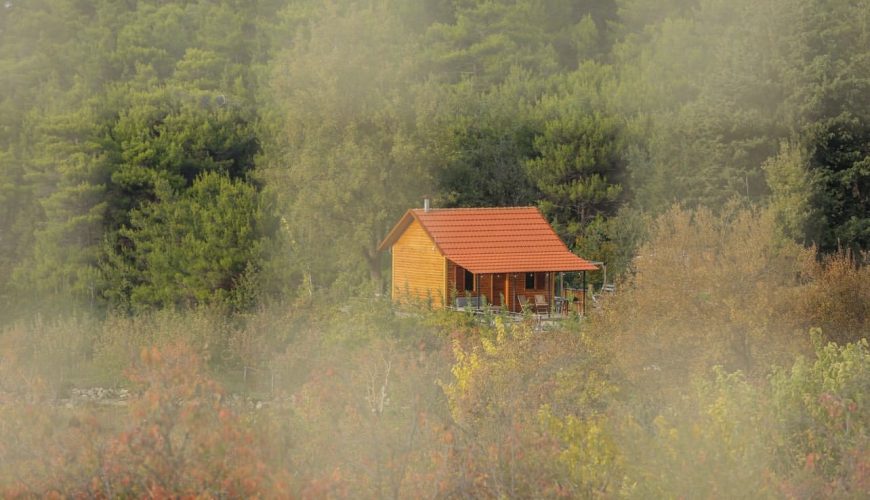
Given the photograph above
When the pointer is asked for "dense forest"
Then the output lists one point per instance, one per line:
(192, 194)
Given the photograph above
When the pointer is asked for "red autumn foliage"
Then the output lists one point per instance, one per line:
(179, 440)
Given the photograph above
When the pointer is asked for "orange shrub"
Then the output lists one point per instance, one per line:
(707, 290)
(364, 420)
(183, 440)
(837, 299)
(179, 439)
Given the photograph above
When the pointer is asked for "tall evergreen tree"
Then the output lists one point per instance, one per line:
(107, 100)
(578, 158)
(351, 164)
(189, 248)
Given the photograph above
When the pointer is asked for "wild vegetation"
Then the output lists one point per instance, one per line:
(192, 193)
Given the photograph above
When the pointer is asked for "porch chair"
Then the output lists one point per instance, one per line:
(481, 302)
(541, 305)
(523, 301)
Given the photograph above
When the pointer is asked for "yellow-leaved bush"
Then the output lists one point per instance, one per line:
(529, 414)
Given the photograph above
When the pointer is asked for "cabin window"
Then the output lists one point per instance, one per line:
(469, 281)
(530, 281)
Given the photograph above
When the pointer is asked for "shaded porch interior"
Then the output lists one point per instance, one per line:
(541, 292)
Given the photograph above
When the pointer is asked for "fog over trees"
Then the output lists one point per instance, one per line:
(205, 183)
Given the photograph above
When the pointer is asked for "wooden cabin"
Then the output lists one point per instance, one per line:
(505, 255)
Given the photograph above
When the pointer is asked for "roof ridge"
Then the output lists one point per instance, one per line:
(446, 209)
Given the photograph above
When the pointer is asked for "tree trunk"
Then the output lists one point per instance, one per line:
(373, 258)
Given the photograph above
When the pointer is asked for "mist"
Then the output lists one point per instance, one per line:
(193, 300)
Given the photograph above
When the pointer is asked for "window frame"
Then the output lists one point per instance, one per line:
(534, 281)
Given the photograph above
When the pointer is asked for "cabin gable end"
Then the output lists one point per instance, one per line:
(418, 267)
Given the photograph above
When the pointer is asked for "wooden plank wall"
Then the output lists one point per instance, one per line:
(453, 290)
(516, 285)
(544, 285)
(484, 282)
(418, 268)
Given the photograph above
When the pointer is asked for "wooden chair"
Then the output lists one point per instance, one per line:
(502, 305)
(481, 303)
(523, 301)
(597, 298)
(541, 305)
(560, 304)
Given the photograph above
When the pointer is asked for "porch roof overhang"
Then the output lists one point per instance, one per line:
(522, 263)
(493, 240)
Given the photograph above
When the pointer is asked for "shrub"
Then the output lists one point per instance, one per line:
(707, 290)
(837, 296)
(182, 439)
(802, 435)
(529, 415)
(55, 351)
(822, 409)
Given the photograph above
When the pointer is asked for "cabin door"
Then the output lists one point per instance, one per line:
(498, 289)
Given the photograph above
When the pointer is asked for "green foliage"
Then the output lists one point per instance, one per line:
(190, 249)
(577, 161)
(349, 164)
(614, 240)
(67, 170)
(841, 161)
(802, 435)
(224, 170)
(528, 410)
(349, 113)
(823, 416)
(175, 133)
(481, 140)
(708, 442)
(794, 194)
(130, 95)
(487, 40)
(712, 89)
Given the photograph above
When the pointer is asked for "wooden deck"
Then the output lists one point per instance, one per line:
(540, 320)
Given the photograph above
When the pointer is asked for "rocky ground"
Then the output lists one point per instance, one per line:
(76, 397)
(120, 397)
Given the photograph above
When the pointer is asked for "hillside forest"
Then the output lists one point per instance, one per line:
(192, 194)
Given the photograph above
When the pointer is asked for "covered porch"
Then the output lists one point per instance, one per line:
(546, 293)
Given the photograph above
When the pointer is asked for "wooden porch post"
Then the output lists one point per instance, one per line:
(512, 293)
(585, 291)
(477, 287)
(550, 291)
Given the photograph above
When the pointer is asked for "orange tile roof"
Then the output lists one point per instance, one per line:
(493, 240)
